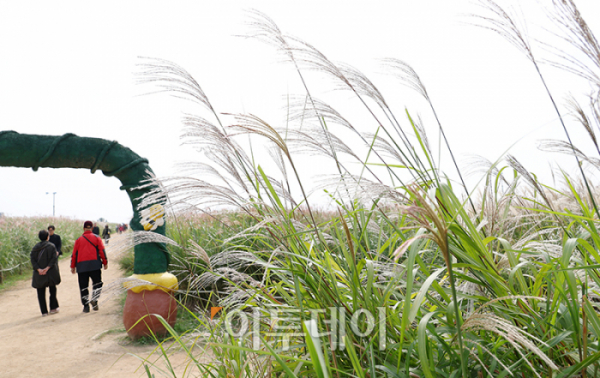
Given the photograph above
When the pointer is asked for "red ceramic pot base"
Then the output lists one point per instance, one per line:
(146, 303)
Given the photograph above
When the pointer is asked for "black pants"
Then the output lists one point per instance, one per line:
(84, 282)
(41, 292)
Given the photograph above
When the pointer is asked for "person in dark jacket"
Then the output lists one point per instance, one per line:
(96, 230)
(44, 260)
(106, 234)
(87, 260)
(55, 239)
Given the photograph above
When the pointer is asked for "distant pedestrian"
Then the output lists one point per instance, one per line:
(87, 260)
(55, 239)
(96, 230)
(44, 260)
(106, 234)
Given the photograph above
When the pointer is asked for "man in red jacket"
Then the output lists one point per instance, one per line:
(87, 260)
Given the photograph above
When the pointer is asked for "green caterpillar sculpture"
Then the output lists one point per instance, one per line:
(151, 259)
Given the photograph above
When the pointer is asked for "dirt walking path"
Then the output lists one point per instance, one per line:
(70, 343)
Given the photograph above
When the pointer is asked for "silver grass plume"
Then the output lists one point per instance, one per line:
(385, 270)
(371, 226)
(534, 234)
(238, 286)
(237, 260)
(562, 147)
(422, 132)
(362, 85)
(477, 165)
(189, 191)
(311, 58)
(308, 57)
(264, 29)
(360, 188)
(595, 108)
(125, 242)
(266, 223)
(173, 79)
(184, 192)
(193, 168)
(517, 166)
(529, 220)
(407, 75)
(384, 147)
(496, 195)
(304, 55)
(208, 279)
(217, 146)
(503, 23)
(321, 110)
(580, 115)
(277, 156)
(251, 124)
(270, 263)
(199, 252)
(520, 340)
(299, 112)
(316, 141)
(471, 288)
(578, 34)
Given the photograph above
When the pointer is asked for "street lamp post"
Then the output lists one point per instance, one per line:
(53, 202)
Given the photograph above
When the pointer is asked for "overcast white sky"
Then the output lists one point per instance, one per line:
(70, 68)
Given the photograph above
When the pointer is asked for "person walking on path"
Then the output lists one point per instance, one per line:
(87, 260)
(96, 229)
(106, 234)
(44, 260)
(55, 239)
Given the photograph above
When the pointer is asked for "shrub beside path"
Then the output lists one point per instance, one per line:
(70, 343)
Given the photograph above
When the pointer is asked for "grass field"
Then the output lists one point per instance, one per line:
(407, 274)
(18, 235)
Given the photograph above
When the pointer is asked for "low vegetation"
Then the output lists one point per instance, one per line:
(19, 234)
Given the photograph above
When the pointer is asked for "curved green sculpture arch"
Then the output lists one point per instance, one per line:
(113, 159)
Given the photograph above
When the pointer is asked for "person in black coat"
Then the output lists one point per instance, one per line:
(106, 234)
(55, 239)
(44, 260)
(96, 230)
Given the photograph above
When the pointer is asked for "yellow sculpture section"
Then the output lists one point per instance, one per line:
(162, 281)
(152, 217)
